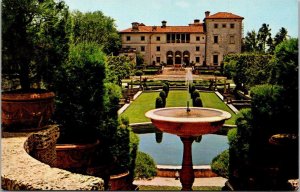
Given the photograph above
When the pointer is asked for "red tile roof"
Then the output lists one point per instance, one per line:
(167, 29)
(224, 15)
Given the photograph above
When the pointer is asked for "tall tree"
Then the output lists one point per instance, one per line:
(262, 36)
(280, 36)
(251, 43)
(96, 27)
(35, 39)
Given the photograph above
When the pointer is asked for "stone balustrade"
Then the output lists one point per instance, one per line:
(26, 162)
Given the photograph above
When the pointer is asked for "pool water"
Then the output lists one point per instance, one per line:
(170, 150)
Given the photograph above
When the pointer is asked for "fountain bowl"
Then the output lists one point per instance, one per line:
(199, 121)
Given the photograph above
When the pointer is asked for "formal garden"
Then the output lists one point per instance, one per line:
(64, 84)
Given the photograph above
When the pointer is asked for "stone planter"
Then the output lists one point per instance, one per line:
(75, 157)
(27, 111)
(121, 182)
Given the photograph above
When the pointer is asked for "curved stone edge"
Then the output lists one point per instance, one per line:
(20, 171)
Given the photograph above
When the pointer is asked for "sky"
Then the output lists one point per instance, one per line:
(276, 13)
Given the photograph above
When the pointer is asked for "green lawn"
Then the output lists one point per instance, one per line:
(146, 101)
(211, 100)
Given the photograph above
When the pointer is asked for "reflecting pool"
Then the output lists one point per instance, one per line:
(169, 151)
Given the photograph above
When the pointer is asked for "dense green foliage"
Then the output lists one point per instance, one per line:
(97, 28)
(163, 96)
(247, 69)
(274, 109)
(195, 94)
(262, 40)
(166, 89)
(198, 102)
(80, 93)
(119, 67)
(159, 103)
(220, 164)
(145, 166)
(35, 38)
(124, 149)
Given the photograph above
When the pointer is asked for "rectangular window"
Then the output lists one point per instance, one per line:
(198, 38)
(142, 38)
(215, 59)
(142, 48)
(128, 38)
(183, 38)
(157, 59)
(215, 25)
(231, 25)
(173, 38)
(231, 39)
(224, 25)
(216, 39)
(177, 38)
(168, 38)
(197, 59)
(187, 38)
(158, 48)
(197, 48)
(158, 38)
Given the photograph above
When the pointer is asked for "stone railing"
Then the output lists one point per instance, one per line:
(26, 162)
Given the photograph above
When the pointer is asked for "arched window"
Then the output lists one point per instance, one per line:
(178, 57)
(170, 57)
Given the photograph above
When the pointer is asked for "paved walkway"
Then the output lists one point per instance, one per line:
(167, 181)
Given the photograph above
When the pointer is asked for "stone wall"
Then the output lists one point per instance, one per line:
(20, 171)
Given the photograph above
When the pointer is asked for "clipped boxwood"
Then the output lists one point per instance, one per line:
(198, 102)
(220, 164)
(195, 94)
(163, 95)
(159, 103)
(145, 166)
(166, 89)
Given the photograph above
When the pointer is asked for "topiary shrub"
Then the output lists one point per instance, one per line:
(145, 167)
(162, 94)
(195, 94)
(166, 89)
(220, 164)
(198, 102)
(159, 103)
(192, 88)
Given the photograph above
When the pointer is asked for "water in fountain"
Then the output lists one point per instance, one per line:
(188, 82)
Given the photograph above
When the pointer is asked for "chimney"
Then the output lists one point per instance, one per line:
(196, 21)
(207, 13)
(135, 26)
(163, 24)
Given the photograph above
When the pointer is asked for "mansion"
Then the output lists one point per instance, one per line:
(203, 44)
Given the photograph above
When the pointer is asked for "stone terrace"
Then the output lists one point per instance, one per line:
(20, 171)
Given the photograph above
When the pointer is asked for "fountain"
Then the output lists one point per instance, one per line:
(188, 123)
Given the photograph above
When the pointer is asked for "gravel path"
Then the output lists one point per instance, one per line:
(167, 181)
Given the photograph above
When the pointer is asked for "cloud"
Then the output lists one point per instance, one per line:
(182, 4)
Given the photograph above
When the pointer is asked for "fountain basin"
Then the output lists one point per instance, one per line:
(199, 121)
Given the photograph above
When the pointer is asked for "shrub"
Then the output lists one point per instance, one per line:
(198, 102)
(192, 89)
(145, 166)
(217, 73)
(166, 89)
(159, 103)
(162, 94)
(220, 164)
(195, 94)
(80, 93)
